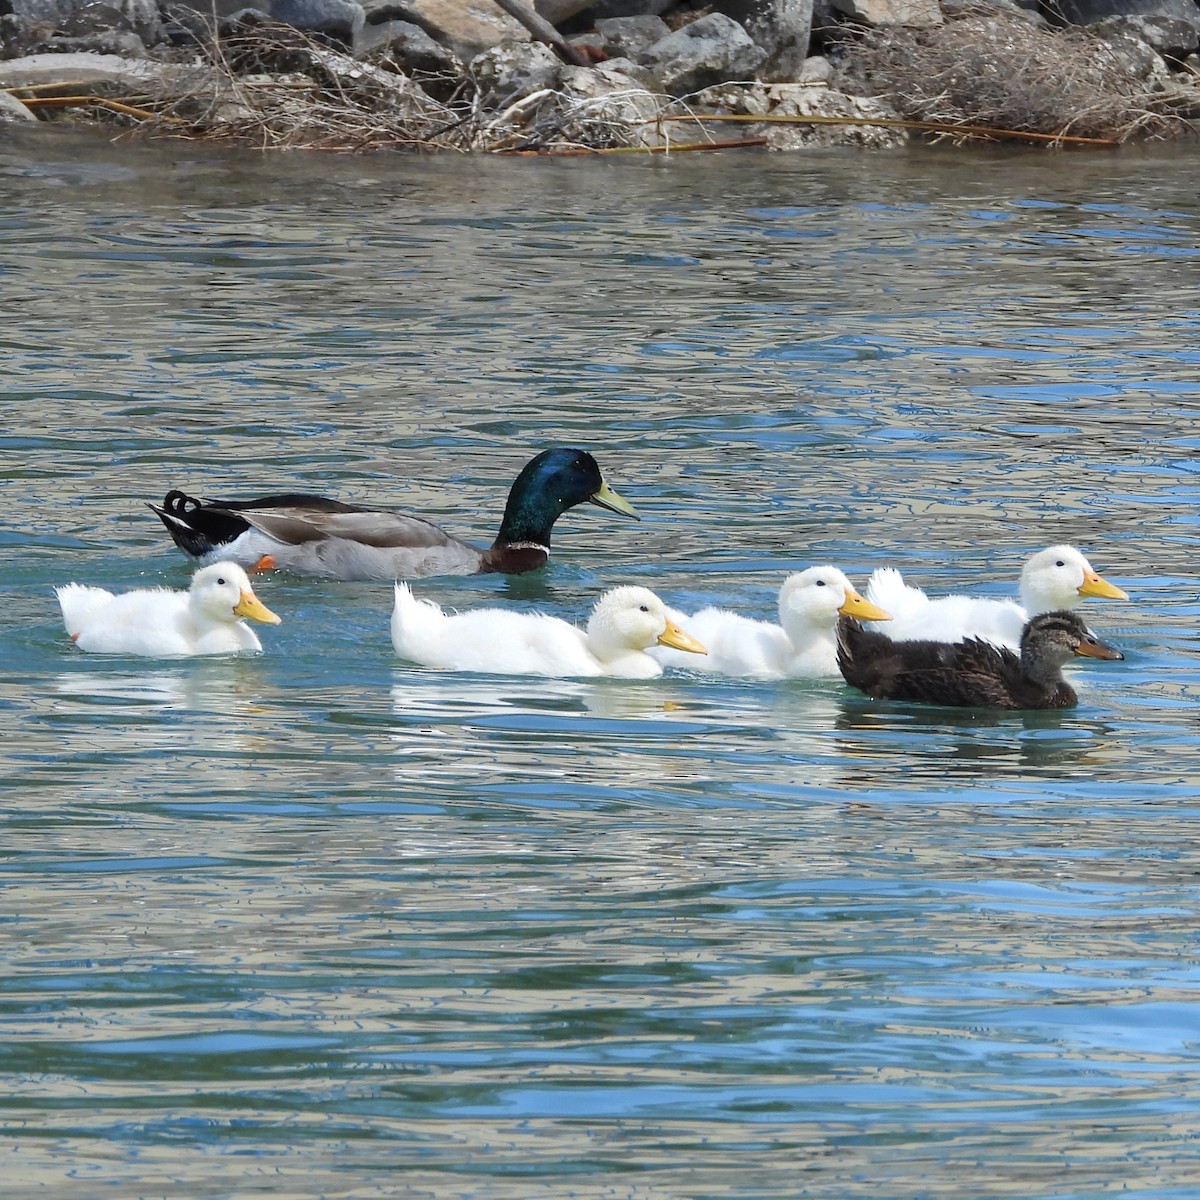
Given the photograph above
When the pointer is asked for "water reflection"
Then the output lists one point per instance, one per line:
(311, 919)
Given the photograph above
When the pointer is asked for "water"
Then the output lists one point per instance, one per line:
(316, 924)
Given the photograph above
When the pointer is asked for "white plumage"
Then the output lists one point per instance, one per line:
(496, 641)
(1053, 579)
(802, 646)
(161, 623)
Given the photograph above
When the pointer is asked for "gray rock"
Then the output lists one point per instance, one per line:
(604, 9)
(11, 109)
(140, 16)
(1137, 57)
(791, 100)
(631, 37)
(1165, 33)
(467, 27)
(711, 50)
(342, 19)
(917, 13)
(131, 74)
(782, 29)
(410, 48)
(557, 11)
(631, 70)
(607, 95)
(513, 71)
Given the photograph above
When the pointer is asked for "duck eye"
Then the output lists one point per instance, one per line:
(220, 583)
(644, 608)
(820, 583)
(1060, 563)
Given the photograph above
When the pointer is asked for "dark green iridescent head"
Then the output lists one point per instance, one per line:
(548, 485)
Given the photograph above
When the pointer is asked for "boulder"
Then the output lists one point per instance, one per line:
(629, 8)
(706, 52)
(605, 95)
(1176, 36)
(631, 37)
(467, 27)
(11, 109)
(513, 71)
(132, 74)
(341, 19)
(781, 28)
(917, 13)
(557, 11)
(139, 16)
(796, 100)
(410, 48)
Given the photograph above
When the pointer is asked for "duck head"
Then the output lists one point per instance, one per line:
(547, 486)
(222, 592)
(815, 598)
(1059, 577)
(634, 618)
(1051, 639)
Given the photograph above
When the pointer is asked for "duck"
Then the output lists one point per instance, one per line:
(973, 673)
(624, 622)
(1056, 578)
(163, 623)
(802, 646)
(317, 536)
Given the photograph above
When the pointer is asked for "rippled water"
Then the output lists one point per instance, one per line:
(317, 924)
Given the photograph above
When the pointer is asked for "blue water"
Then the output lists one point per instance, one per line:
(315, 923)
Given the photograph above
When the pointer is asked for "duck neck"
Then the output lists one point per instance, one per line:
(529, 516)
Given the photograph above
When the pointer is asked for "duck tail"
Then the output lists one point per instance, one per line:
(415, 622)
(195, 528)
(78, 603)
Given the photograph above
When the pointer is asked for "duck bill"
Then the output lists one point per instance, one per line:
(1093, 647)
(251, 606)
(863, 610)
(675, 637)
(1101, 589)
(607, 498)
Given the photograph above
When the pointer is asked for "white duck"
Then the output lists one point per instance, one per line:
(160, 623)
(1053, 579)
(802, 646)
(496, 641)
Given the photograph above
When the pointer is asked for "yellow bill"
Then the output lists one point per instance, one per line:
(607, 498)
(675, 637)
(252, 607)
(1093, 585)
(864, 610)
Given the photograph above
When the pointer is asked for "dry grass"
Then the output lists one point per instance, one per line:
(989, 67)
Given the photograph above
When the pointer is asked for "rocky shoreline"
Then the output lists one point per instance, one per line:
(606, 76)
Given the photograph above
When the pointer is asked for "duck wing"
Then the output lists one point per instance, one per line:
(297, 524)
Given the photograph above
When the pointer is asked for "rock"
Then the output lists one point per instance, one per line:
(410, 48)
(138, 16)
(1183, 99)
(513, 71)
(781, 28)
(712, 50)
(1138, 58)
(604, 9)
(341, 19)
(606, 95)
(816, 70)
(11, 109)
(631, 37)
(917, 13)
(132, 74)
(1162, 32)
(796, 100)
(557, 11)
(467, 27)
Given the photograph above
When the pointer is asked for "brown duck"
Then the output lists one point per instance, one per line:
(972, 673)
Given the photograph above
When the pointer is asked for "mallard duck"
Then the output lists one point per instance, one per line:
(1053, 579)
(971, 673)
(313, 535)
(801, 646)
(497, 641)
(160, 623)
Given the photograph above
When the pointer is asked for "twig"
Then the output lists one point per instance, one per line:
(129, 110)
